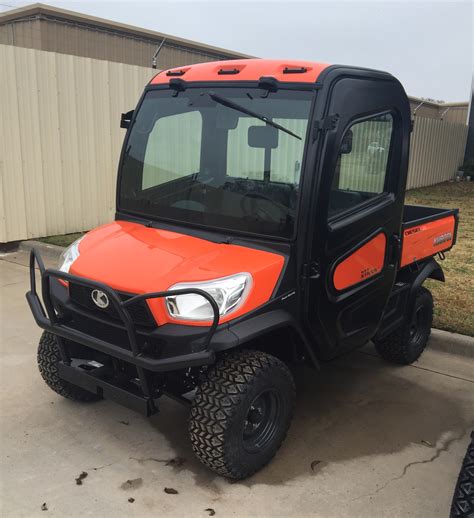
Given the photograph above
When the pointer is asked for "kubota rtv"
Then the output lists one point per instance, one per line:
(260, 220)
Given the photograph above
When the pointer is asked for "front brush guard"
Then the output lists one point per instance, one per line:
(47, 318)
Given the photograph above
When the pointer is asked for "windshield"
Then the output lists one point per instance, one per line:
(222, 158)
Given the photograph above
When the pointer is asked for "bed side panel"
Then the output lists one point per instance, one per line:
(427, 239)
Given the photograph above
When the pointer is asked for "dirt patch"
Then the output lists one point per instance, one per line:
(81, 477)
(132, 484)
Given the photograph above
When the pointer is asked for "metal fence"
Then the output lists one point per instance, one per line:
(436, 151)
(60, 141)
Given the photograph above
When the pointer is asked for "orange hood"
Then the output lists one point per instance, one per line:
(136, 259)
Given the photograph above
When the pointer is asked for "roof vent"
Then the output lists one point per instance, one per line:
(228, 71)
(295, 70)
(175, 73)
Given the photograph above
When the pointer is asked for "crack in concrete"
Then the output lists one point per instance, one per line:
(413, 366)
(148, 459)
(102, 467)
(437, 453)
(175, 462)
(12, 284)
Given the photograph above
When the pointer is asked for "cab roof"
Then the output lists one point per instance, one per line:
(289, 71)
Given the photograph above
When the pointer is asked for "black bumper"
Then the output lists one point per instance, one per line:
(95, 383)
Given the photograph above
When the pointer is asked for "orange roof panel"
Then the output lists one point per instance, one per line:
(245, 70)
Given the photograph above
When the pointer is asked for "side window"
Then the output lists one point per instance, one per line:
(362, 164)
(173, 149)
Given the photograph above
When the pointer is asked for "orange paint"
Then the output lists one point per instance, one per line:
(135, 259)
(249, 70)
(427, 239)
(364, 263)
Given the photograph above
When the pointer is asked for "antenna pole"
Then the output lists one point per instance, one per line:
(155, 55)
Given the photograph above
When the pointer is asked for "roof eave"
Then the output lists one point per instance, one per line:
(39, 8)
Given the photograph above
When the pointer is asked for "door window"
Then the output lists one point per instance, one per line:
(362, 163)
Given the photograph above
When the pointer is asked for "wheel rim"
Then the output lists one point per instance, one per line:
(418, 325)
(262, 419)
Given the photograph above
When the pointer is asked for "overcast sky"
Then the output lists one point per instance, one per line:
(428, 45)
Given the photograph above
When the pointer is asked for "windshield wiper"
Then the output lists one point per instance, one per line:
(231, 104)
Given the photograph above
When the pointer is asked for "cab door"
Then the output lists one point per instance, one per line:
(356, 218)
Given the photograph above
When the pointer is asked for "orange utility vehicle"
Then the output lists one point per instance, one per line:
(260, 221)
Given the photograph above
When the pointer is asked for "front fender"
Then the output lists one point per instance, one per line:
(251, 328)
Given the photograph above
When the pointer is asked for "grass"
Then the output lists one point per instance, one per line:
(454, 299)
(61, 240)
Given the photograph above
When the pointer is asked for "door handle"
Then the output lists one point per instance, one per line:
(395, 248)
(311, 270)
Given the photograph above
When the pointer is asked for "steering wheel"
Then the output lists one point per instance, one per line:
(249, 207)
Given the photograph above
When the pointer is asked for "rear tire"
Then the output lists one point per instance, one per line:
(48, 358)
(241, 413)
(405, 345)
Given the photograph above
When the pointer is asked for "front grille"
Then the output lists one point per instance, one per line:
(139, 311)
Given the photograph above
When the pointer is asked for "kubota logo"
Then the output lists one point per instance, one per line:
(100, 299)
(443, 238)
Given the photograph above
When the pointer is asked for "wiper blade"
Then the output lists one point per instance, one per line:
(231, 104)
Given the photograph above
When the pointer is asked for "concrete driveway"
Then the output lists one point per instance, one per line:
(368, 439)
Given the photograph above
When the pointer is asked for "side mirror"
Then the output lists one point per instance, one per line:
(346, 144)
(126, 119)
(263, 137)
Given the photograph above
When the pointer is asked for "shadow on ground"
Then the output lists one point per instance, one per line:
(355, 407)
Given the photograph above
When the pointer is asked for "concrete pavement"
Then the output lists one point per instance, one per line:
(368, 439)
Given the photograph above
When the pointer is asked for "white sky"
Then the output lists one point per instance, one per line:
(428, 45)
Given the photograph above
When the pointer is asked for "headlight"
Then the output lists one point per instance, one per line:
(228, 292)
(69, 256)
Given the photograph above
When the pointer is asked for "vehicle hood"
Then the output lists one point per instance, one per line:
(132, 258)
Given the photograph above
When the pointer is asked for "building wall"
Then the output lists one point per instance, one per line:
(448, 112)
(26, 34)
(60, 141)
(436, 151)
(93, 41)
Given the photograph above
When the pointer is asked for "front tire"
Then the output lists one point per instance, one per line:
(48, 359)
(405, 345)
(241, 413)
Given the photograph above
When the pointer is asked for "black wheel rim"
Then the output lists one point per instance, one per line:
(262, 421)
(419, 325)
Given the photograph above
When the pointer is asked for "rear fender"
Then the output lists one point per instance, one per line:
(409, 280)
(430, 270)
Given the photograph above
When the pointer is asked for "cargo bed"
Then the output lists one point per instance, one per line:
(427, 231)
